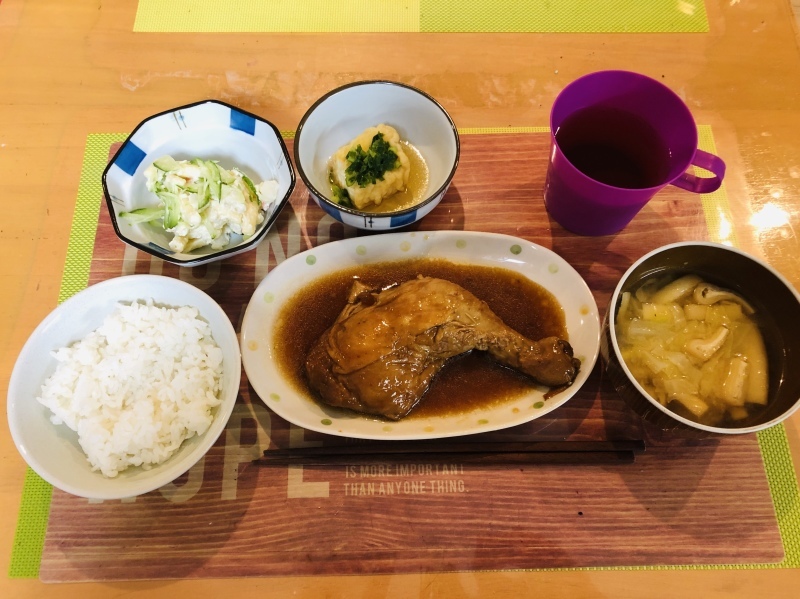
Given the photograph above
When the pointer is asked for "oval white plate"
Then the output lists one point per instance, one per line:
(484, 249)
(53, 450)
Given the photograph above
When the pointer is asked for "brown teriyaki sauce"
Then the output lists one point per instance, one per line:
(466, 382)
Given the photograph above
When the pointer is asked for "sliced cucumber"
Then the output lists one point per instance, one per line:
(166, 163)
(214, 179)
(205, 198)
(172, 209)
(199, 190)
(251, 188)
(143, 215)
(226, 176)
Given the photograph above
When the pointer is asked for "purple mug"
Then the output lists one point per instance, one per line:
(616, 139)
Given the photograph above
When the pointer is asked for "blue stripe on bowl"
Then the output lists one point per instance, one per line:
(403, 219)
(243, 122)
(332, 211)
(129, 158)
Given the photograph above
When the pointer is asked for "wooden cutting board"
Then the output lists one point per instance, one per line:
(681, 503)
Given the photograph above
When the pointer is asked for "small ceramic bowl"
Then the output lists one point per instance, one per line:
(211, 130)
(777, 306)
(344, 113)
(53, 451)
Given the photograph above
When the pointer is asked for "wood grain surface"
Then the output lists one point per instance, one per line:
(681, 502)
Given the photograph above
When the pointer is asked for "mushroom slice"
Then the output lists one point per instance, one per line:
(707, 294)
(676, 290)
(703, 349)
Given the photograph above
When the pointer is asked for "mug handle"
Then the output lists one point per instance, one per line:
(696, 184)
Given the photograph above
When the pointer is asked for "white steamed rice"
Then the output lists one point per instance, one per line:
(138, 386)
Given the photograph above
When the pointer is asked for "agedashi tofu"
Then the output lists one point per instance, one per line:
(370, 168)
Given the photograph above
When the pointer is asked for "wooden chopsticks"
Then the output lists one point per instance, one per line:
(558, 452)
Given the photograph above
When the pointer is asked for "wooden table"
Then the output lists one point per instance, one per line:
(68, 69)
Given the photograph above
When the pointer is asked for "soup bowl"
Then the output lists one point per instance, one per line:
(344, 113)
(777, 312)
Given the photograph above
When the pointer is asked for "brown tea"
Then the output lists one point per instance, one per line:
(614, 147)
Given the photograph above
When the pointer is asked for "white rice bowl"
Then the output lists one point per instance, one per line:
(98, 430)
(136, 388)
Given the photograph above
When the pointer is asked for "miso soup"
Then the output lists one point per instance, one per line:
(694, 347)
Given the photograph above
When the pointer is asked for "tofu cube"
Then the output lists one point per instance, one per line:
(393, 180)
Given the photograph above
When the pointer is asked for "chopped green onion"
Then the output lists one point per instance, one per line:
(369, 167)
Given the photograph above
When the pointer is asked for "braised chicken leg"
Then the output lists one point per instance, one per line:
(384, 349)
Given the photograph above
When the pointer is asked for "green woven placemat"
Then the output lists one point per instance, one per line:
(34, 510)
(428, 16)
(36, 493)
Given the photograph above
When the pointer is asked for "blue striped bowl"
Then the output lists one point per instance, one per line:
(211, 130)
(345, 112)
